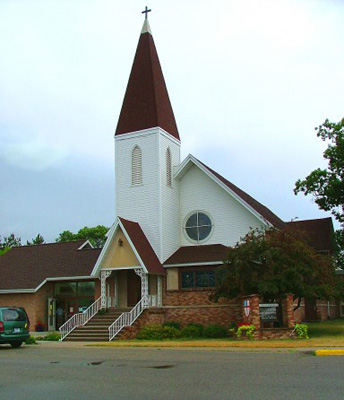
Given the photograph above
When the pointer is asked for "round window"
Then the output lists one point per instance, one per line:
(198, 226)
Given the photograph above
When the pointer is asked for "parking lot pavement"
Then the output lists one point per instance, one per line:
(71, 370)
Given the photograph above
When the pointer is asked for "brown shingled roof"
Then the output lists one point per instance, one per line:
(198, 254)
(319, 233)
(260, 208)
(27, 267)
(146, 102)
(143, 247)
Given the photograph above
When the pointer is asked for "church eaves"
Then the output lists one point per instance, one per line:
(146, 102)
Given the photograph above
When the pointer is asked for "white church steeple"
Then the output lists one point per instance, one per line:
(147, 147)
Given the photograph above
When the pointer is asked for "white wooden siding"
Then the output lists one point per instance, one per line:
(231, 220)
(152, 204)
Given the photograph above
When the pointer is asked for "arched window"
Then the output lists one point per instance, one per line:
(136, 166)
(168, 167)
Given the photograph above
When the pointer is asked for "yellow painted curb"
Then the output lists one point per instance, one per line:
(329, 352)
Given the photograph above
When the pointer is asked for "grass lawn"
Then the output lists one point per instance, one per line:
(322, 334)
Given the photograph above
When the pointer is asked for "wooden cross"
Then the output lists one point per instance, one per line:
(146, 11)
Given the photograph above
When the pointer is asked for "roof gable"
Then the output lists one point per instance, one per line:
(138, 243)
(259, 210)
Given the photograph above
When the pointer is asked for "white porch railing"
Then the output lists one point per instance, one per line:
(127, 318)
(79, 319)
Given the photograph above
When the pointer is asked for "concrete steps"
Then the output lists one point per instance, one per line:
(96, 329)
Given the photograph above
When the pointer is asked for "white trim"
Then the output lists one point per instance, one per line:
(185, 166)
(62, 278)
(9, 291)
(120, 268)
(105, 248)
(160, 255)
(146, 132)
(196, 264)
(112, 233)
(83, 245)
(212, 226)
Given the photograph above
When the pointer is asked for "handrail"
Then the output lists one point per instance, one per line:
(79, 319)
(127, 318)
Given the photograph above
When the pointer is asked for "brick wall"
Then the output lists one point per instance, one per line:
(35, 304)
(195, 305)
(327, 312)
(148, 317)
(322, 311)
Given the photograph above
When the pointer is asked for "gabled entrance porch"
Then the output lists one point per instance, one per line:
(124, 288)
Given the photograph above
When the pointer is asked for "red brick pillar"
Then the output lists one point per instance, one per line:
(253, 317)
(288, 311)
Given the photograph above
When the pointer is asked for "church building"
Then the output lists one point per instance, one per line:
(175, 221)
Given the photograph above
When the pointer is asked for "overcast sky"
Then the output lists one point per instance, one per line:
(248, 81)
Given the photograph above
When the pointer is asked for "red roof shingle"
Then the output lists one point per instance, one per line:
(319, 233)
(146, 102)
(143, 247)
(272, 218)
(27, 267)
(198, 254)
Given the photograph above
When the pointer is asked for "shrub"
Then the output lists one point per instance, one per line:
(51, 337)
(233, 325)
(171, 333)
(172, 324)
(302, 331)
(247, 330)
(214, 331)
(30, 340)
(158, 332)
(193, 330)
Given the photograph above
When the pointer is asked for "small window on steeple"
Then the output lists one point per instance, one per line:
(136, 166)
(168, 167)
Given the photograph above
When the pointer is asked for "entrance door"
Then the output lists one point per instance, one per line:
(134, 288)
(51, 314)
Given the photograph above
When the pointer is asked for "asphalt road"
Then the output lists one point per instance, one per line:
(62, 372)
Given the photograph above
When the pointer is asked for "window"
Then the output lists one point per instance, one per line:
(168, 167)
(197, 279)
(136, 166)
(198, 226)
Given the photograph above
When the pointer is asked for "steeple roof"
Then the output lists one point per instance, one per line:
(146, 102)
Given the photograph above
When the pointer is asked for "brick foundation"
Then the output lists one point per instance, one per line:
(275, 333)
(148, 317)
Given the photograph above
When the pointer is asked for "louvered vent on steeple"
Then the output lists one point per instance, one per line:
(136, 166)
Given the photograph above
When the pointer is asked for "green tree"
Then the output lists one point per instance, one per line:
(8, 242)
(37, 240)
(327, 185)
(275, 263)
(95, 235)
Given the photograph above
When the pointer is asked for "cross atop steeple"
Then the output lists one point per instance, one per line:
(146, 102)
(146, 11)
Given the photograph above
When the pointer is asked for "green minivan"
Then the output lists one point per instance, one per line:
(14, 326)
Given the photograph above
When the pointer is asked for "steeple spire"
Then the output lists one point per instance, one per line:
(146, 102)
